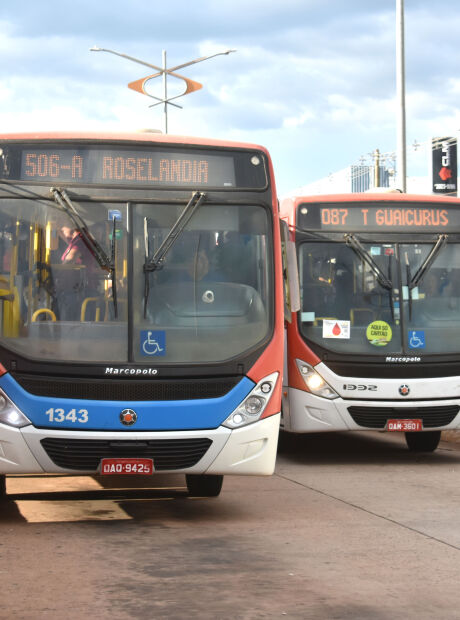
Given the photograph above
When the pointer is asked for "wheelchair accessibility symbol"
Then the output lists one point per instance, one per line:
(153, 342)
(416, 339)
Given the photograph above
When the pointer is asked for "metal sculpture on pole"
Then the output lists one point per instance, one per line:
(139, 85)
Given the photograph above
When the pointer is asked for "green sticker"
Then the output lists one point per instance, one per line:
(379, 333)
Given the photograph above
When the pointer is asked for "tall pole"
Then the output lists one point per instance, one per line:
(165, 96)
(376, 168)
(401, 97)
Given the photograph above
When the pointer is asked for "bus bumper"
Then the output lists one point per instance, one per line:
(306, 413)
(250, 450)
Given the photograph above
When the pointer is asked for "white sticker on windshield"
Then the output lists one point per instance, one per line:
(333, 328)
(376, 250)
(307, 317)
(414, 293)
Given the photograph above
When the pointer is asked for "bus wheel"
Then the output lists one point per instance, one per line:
(206, 485)
(2, 487)
(423, 442)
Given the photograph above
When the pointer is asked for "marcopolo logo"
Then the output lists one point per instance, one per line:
(403, 360)
(110, 370)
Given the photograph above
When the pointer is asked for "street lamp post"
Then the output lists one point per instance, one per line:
(401, 97)
(139, 85)
(165, 94)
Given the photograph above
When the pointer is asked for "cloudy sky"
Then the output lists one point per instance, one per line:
(312, 80)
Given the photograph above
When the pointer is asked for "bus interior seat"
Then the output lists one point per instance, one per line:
(68, 277)
(208, 304)
(317, 298)
(361, 316)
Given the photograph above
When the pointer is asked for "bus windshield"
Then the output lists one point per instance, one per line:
(208, 300)
(347, 306)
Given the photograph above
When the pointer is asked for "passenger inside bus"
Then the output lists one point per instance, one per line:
(201, 269)
(431, 285)
(236, 257)
(80, 277)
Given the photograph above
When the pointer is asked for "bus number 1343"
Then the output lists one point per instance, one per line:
(60, 415)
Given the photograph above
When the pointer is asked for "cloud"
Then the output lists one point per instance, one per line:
(312, 80)
(301, 119)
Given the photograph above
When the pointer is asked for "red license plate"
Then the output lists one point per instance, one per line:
(126, 466)
(404, 425)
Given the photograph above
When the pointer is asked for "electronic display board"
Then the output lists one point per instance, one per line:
(374, 217)
(444, 166)
(132, 166)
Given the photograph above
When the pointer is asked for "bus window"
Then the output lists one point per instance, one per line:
(202, 296)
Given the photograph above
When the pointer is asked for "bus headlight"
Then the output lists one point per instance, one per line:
(10, 414)
(254, 404)
(315, 382)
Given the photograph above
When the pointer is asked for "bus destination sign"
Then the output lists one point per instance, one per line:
(373, 217)
(102, 165)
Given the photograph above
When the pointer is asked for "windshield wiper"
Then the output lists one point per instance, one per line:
(113, 268)
(429, 260)
(156, 262)
(390, 291)
(408, 279)
(61, 198)
(364, 255)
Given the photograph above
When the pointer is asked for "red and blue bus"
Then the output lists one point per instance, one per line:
(141, 307)
(376, 342)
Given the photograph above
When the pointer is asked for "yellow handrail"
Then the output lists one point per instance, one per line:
(11, 312)
(43, 311)
(85, 304)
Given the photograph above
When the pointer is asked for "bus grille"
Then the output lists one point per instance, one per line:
(377, 417)
(85, 454)
(126, 390)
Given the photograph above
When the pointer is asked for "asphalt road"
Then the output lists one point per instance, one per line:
(351, 526)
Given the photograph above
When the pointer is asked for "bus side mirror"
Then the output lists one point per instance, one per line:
(293, 276)
(290, 274)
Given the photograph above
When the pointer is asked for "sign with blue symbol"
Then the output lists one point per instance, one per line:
(153, 343)
(114, 213)
(416, 339)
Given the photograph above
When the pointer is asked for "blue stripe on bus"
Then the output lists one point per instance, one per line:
(69, 413)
